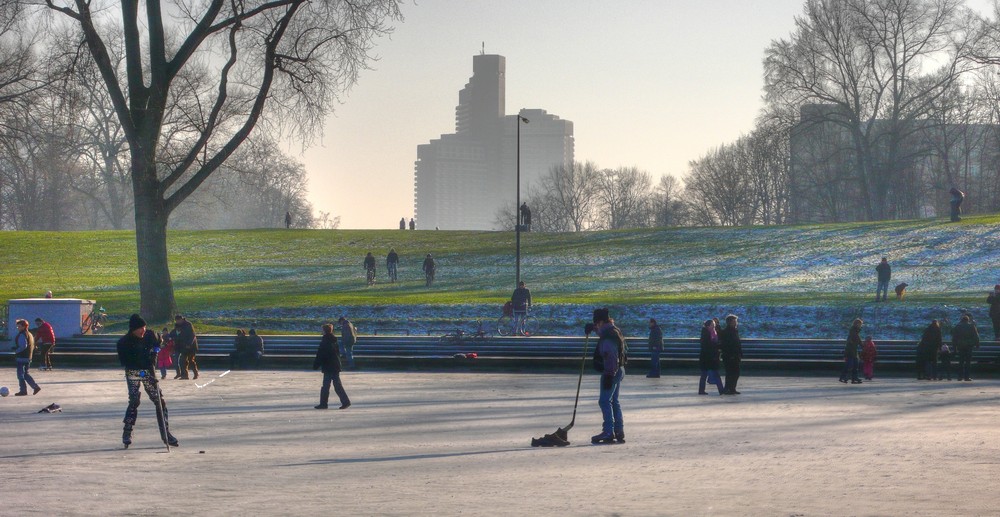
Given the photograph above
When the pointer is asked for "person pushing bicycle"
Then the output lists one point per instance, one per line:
(521, 303)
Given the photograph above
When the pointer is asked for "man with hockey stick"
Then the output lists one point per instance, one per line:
(137, 353)
(609, 359)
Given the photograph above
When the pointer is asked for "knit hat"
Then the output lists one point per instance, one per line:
(600, 315)
(135, 321)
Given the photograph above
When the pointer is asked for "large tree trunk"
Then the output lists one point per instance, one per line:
(156, 290)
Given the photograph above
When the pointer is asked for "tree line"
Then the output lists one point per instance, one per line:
(874, 109)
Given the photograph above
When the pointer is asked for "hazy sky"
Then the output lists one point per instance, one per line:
(653, 84)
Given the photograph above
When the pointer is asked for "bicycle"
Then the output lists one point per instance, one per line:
(370, 276)
(94, 322)
(461, 336)
(511, 323)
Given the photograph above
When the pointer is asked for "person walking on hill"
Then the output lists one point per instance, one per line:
(732, 353)
(137, 350)
(328, 361)
(708, 358)
(884, 271)
(348, 338)
(288, 220)
(392, 263)
(964, 338)
(655, 349)
(24, 348)
(852, 353)
(429, 268)
(402, 223)
(413, 225)
(186, 342)
(370, 268)
(610, 359)
(45, 339)
(957, 196)
(994, 301)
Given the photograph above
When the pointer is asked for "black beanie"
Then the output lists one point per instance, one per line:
(135, 321)
(601, 315)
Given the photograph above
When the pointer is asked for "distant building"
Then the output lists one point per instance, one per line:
(462, 179)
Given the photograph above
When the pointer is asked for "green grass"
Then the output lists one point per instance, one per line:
(262, 269)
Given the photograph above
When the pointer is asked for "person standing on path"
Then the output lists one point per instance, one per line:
(45, 339)
(964, 338)
(930, 339)
(187, 343)
(655, 349)
(732, 353)
(852, 353)
(884, 271)
(24, 348)
(348, 338)
(137, 351)
(994, 301)
(328, 360)
(708, 358)
(609, 358)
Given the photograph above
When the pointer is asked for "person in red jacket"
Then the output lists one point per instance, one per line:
(45, 339)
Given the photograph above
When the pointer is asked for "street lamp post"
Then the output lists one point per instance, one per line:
(517, 206)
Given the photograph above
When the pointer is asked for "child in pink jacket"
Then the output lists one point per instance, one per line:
(164, 357)
(868, 355)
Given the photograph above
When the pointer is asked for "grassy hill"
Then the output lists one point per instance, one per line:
(297, 277)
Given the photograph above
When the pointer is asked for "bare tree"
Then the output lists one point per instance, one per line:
(571, 195)
(622, 198)
(219, 64)
(667, 203)
(880, 64)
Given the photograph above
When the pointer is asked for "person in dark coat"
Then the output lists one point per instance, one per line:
(137, 351)
(430, 268)
(288, 220)
(884, 271)
(402, 223)
(964, 338)
(392, 264)
(255, 352)
(994, 301)
(852, 353)
(732, 353)
(930, 341)
(370, 268)
(655, 349)
(708, 358)
(187, 344)
(240, 346)
(611, 350)
(957, 196)
(413, 225)
(328, 360)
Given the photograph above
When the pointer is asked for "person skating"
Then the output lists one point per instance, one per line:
(137, 351)
(24, 348)
(868, 355)
(610, 358)
(884, 271)
(732, 353)
(852, 353)
(964, 338)
(708, 358)
(45, 340)
(994, 301)
(328, 360)
(655, 349)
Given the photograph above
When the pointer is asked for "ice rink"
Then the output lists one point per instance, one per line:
(446, 443)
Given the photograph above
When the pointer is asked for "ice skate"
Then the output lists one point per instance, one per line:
(620, 436)
(604, 437)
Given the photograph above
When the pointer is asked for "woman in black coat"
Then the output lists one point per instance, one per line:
(328, 359)
(708, 358)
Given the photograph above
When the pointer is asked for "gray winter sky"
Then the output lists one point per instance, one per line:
(652, 83)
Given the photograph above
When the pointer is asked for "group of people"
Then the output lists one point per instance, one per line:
(248, 349)
(26, 340)
(429, 267)
(402, 224)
